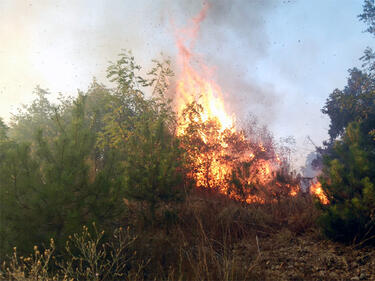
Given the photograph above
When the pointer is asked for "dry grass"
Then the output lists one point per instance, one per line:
(209, 237)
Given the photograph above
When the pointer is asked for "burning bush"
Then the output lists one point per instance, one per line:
(244, 167)
(241, 163)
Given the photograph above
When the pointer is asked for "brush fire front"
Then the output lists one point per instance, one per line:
(223, 157)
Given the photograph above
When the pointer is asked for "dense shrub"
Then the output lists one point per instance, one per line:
(63, 166)
(349, 182)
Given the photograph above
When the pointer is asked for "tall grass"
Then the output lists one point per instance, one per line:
(209, 237)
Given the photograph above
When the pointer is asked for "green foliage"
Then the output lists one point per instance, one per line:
(67, 165)
(349, 160)
(153, 166)
(142, 131)
(31, 118)
(18, 174)
(368, 15)
(349, 182)
(355, 102)
(50, 187)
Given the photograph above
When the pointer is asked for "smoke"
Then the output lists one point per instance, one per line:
(245, 95)
(232, 40)
(61, 45)
(239, 22)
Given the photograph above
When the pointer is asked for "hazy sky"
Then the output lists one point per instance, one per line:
(277, 59)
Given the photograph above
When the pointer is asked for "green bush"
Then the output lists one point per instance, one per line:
(349, 182)
(67, 165)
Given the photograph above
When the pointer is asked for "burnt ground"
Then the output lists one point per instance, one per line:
(308, 257)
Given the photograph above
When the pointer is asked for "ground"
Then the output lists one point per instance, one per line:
(308, 257)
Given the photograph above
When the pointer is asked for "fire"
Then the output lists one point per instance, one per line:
(316, 189)
(294, 189)
(193, 87)
(219, 152)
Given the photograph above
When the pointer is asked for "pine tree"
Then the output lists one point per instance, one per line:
(349, 182)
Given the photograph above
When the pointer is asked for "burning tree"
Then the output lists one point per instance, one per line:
(232, 162)
(241, 164)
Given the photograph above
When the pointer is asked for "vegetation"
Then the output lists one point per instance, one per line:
(214, 238)
(348, 177)
(348, 180)
(111, 157)
(68, 165)
(100, 187)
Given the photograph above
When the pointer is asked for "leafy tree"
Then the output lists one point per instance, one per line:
(31, 118)
(348, 177)
(153, 166)
(18, 174)
(354, 102)
(349, 182)
(368, 16)
(47, 187)
(141, 130)
(66, 165)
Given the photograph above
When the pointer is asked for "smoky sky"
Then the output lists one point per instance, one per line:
(276, 59)
(231, 40)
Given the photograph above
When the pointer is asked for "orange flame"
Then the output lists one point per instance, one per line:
(192, 86)
(317, 190)
(195, 85)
